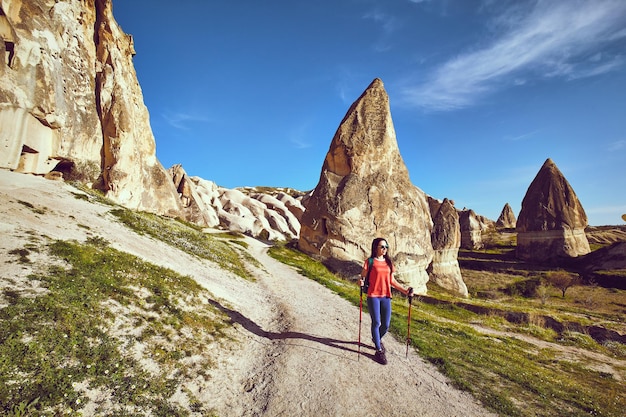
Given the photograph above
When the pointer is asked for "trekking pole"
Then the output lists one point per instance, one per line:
(360, 319)
(408, 327)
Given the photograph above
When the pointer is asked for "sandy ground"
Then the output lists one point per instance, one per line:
(298, 341)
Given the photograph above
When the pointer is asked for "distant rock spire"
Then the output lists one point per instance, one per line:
(552, 222)
(507, 218)
(365, 192)
(446, 238)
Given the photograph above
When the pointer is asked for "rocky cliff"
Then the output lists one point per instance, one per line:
(551, 224)
(364, 192)
(70, 102)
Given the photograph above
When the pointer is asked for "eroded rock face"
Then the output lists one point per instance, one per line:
(247, 210)
(507, 218)
(259, 215)
(47, 85)
(471, 230)
(446, 239)
(365, 192)
(551, 224)
(70, 102)
(196, 207)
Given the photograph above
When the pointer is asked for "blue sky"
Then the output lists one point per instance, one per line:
(482, 92)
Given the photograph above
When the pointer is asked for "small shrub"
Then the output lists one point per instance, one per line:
(527, 288)
(562, 280)
(543, 292)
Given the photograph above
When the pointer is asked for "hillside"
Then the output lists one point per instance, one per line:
(271, 343)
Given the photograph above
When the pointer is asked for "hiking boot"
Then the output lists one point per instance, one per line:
(380, 357)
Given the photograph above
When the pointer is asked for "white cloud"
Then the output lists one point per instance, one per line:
(554, 39)
(389, 25)
(299, 134)
(523, 136)
(180, 120)
(617, 146)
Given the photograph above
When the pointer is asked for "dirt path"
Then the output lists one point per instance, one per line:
(307, 361)
(295, 351)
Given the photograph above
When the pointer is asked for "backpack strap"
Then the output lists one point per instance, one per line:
(370, 262)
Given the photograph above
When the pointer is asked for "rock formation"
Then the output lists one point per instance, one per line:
(507, 218)
(471, 230)
(605, 265)
(365, 192)
(446, 239)
(251, 215)
(198, 202)
(70, 102)
(551, 224)
(269, 214)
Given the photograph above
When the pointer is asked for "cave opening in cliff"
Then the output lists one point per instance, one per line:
(66, 167)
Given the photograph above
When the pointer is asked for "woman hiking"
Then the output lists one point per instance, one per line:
(378, 271)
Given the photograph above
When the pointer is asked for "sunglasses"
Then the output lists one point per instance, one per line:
(383, 246)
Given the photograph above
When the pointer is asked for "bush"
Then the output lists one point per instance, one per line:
(527, 288)
(562, 280)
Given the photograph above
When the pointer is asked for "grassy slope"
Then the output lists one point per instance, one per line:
(110, 325)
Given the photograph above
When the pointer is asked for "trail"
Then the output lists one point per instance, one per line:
(308, 363)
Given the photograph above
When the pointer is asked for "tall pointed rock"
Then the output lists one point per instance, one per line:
(552, 222)
(365, 192)
(507, 218)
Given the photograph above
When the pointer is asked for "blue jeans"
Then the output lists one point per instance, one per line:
(380, 312)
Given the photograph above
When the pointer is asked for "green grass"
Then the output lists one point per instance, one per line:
(100, 309)
(509, 376)
(186, 237)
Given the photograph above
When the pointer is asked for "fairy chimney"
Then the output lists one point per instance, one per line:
(471, 230)
(507, 218)
(364, 192)
(446, 239)
(552, 222)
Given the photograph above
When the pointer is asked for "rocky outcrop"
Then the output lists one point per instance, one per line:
(365, 192)
(471, 230)
(259, 215)
(70, 102)
(197, 200)
(446, 239)
(605, 266)
(507, 218)
(269, 214)
(551, 224)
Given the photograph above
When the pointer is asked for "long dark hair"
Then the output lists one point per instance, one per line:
(375, 244)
